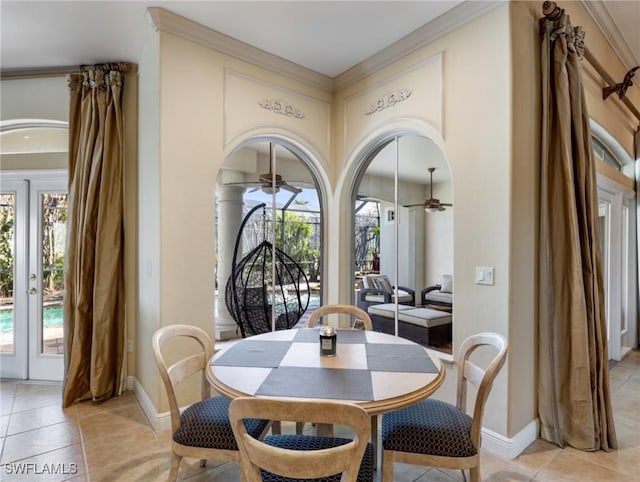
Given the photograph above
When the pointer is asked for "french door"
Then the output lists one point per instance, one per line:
(33, 216)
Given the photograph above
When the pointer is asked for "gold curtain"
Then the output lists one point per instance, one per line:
(94, 281)
(573, 378)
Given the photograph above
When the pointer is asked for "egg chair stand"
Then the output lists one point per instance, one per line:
(259, 291)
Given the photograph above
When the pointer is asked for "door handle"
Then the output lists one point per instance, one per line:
(33, 291)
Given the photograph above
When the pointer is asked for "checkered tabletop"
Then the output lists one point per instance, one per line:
(369, 367)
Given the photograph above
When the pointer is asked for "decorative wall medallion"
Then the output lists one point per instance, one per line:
(388, 100)
(281, 107)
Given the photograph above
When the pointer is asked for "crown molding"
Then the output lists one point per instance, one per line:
(422, 36)
(602, 18)
(167, 21)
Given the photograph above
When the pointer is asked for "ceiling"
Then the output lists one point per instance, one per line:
(328, 37)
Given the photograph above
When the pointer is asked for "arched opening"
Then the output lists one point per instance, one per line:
(269, 206)
(402, 236)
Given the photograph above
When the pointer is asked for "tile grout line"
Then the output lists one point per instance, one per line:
(82, 447)
(6, 430)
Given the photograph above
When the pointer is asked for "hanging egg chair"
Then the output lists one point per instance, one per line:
(259, 291)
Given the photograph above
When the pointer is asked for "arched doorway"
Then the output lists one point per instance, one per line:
(402, 202)
(274, 174)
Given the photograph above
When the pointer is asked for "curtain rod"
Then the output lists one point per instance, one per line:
(551, 11)
(63, 70)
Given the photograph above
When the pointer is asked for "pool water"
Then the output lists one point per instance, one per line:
(52, 317)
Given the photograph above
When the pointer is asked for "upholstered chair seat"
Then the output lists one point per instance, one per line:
(206, 424)
(307, 442)
(429, 427)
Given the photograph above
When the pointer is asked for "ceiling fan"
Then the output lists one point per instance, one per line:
(270, 182)
(432, 204)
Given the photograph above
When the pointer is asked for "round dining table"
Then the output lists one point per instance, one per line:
(376, 371)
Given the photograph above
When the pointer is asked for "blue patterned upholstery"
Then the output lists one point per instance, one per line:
(308, 442)
(430, 427)
(206, 424)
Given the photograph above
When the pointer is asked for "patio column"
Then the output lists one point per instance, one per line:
(229, 221)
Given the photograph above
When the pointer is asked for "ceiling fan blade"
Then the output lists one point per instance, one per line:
(290, 188)
(412, 205)
(254, 189)
(446, 204)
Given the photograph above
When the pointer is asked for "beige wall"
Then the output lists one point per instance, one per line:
(524, 180)
(204, 115)
(473, 132)
(206, 105)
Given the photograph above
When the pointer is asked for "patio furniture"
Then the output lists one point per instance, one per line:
(255, 291)
(422, 325)
(376, 288)
(302, 457)
(438, 434)
(439, 296)
(203, 430)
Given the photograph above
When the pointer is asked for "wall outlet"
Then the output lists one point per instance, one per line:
(130, 346)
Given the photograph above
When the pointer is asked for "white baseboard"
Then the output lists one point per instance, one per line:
(509, 448)
(498, 444)
(159, 421)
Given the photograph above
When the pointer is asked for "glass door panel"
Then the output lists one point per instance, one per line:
(48, 217)
(13, 286)
(7, 269)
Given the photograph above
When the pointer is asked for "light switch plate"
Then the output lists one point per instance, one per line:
(484, 275)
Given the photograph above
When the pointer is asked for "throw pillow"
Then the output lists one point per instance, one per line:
(382, 283)
(447, 283)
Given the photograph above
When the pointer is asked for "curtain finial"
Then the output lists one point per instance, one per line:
(550, 10)
(621, 87)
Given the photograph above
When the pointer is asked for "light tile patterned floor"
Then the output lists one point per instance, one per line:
(113, 441)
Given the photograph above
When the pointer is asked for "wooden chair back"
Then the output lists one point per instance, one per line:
(173, 375)
(481, 379)
(299, 464)
(357, 313)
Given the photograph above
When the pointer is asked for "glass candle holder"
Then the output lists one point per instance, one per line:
(328, 341)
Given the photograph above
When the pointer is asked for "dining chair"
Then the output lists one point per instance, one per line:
(438, 434)
(287, 457)
(358, 314)
(203, 430)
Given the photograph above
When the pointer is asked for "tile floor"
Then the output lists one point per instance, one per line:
(113, 441)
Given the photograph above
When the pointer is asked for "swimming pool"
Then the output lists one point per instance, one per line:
(53, 315)
(52, 318)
